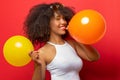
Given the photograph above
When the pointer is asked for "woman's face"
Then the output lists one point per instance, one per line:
(58, 24)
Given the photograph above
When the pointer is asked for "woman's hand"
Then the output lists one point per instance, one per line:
(35, 57)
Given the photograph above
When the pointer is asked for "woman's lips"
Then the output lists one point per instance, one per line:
(63, 28)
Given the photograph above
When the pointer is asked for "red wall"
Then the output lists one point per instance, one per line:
(12, 15)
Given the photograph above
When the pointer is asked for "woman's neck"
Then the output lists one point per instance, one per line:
(56, 39)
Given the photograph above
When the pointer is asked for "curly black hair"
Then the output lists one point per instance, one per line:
(36, 25)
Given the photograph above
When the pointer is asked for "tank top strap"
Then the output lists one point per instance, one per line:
(51, 43)
(56, 44)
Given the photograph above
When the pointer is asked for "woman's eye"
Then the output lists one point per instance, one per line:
(57, 18)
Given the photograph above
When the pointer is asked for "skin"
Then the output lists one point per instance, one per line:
(44, 56)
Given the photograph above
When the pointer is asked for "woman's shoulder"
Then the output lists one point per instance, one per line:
(46, 48)
(46, 51)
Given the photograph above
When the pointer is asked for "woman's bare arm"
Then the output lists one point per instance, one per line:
(40, 66)
(86, 52)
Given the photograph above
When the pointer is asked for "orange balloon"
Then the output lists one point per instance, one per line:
(87, 26)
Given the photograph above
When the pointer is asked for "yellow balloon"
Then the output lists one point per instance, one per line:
(16, 50)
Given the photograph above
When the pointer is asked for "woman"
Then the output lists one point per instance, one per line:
(47, 23)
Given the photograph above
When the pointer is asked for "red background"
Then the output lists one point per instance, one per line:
(12, 15)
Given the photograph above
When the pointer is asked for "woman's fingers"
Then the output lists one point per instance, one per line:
(30, 53)
(35, 56)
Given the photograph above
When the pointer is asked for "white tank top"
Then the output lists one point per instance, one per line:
(66, 63)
